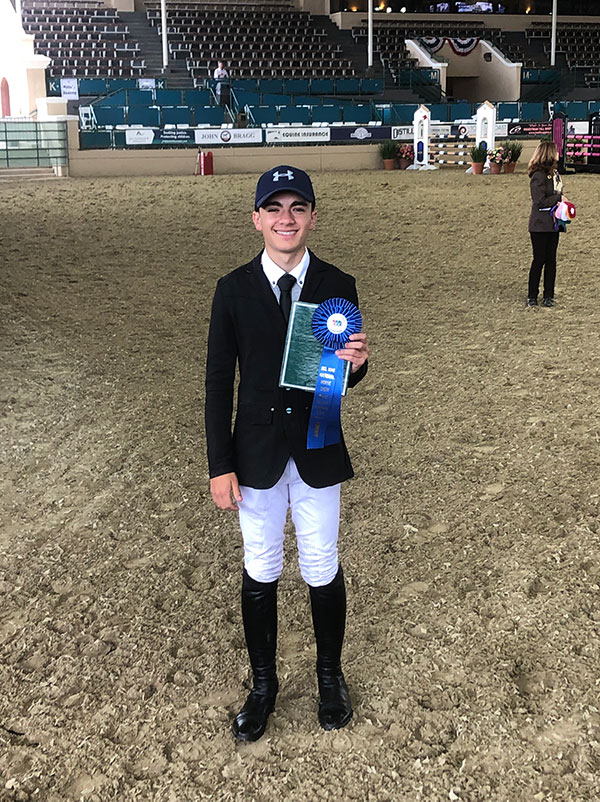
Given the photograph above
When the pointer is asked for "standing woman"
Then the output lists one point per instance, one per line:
(546, 191)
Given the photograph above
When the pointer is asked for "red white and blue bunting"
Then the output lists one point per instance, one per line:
(462, 47)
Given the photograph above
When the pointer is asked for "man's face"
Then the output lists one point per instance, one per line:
(285, 221)
(220, 65)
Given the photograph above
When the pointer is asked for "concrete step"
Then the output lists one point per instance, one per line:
(27, 174)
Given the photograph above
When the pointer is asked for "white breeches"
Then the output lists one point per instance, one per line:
(316, 516)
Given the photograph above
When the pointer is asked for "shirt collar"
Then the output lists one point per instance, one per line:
(273, 272)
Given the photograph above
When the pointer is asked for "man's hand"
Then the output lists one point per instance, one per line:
(225, 491)
(356, 351)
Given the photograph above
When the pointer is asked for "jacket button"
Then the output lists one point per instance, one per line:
(289, 410)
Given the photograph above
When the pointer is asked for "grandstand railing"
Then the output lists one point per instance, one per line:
(25, 143)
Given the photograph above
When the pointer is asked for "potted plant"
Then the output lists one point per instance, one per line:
(478, 156)
(497, 157)
(514, 150)
(406, 155)
(387, 151)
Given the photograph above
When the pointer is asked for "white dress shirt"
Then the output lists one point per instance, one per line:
(273, 273)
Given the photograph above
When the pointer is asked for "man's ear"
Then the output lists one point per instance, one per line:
(257, 221)
(313, 219)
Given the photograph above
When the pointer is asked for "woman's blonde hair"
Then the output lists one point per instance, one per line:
(544, 158)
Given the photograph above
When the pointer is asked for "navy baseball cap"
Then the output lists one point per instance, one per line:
(283, 179)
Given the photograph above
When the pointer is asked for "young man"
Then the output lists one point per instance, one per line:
(264, 467)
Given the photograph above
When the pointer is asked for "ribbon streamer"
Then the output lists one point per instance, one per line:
(332, 324)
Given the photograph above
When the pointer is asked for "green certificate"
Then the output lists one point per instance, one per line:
(302, 354)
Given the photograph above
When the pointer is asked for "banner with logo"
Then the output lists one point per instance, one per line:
(159, 136)
(529, 129)
(406, 132)
(470, 129)
(228, 136)
(69, 88)
(360, 133)
(297, 134)
(146, 83)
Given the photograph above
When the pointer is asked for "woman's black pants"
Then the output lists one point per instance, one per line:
(544, 245)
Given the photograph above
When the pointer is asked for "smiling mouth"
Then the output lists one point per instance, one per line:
(285, 233)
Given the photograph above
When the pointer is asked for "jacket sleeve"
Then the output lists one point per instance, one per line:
(542, 193)
(220, 374)
(354, 378)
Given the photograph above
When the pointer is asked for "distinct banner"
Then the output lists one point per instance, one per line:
(462, 47)
(146, 83)
(139, 136)
(159, 136)
(333, 322)
(297, 134)
(470, 129)
(360, 133)
(529, 129)
(69, 88)
(228, 136)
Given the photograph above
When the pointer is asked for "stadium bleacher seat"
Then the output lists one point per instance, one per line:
(167, 97)
(359, 114)
(270, 99)
(208, 115)
(321, 86)
(507, 111)
(347, 86)
(532, 111)
(147, 116)
(294, 114)
(197, 97)
(326, 114)
(263, 115)
(176, 115)
(109, 115)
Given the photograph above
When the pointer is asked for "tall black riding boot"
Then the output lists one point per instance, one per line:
(328, 605)
(259, 612)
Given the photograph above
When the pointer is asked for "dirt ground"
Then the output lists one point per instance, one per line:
(469, 539)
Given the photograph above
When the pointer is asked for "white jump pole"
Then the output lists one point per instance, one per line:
(370, 35)
(553, 45)
(163, 22)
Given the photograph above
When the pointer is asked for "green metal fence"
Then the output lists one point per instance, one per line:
(24, 143)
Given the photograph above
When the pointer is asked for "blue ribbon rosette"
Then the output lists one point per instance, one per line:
(332, 324)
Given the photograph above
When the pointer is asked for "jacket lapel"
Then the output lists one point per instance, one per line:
(262, 288)
(314, 276)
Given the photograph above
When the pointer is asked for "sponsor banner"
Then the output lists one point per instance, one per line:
(139, 136)
(69, 88)
(146, 83)
(298, 134)
(360, 133)
(529, 129)
(174, 136)
(159, 136)
(470, 129)
(228, 136)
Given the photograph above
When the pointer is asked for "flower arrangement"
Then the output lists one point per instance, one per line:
(498, 155)
(513, 150)
(406, 151)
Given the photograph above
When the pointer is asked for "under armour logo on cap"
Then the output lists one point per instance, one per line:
(288, 174)
(283, 179)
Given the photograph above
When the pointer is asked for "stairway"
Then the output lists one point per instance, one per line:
(27, 174)
(356, 54)
(150, 44)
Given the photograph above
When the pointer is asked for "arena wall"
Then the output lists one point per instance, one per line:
(227, 161)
